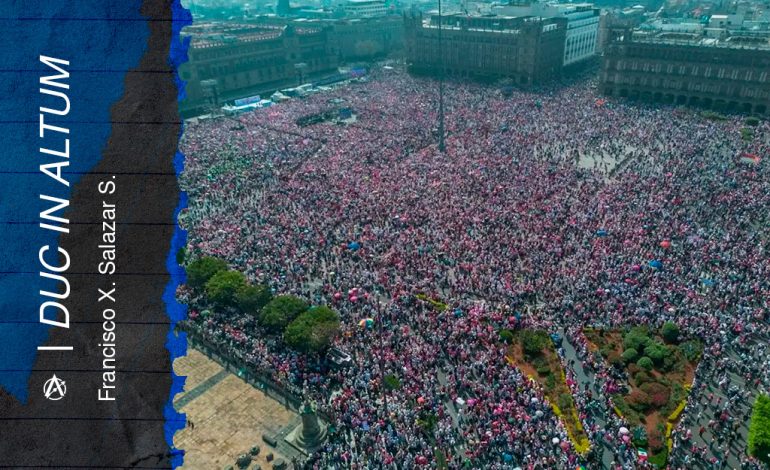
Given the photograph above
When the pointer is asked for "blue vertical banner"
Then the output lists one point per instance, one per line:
(88, 203)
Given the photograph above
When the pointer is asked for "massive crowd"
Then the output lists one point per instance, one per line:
(547, 210)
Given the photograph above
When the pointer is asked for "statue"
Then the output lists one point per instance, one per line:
(311, 430)
(311, 433)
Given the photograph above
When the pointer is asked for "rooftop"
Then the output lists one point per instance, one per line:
(689, 39)
(210, 35)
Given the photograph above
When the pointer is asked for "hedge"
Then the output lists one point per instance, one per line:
(759, 429)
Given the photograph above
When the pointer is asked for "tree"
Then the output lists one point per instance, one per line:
(645, 363)
(759, 429)
(224, 285)
(281, 311)
(313, 330)
(657, 352)
(533, 341)
(202, 269)
(251, 299)
(629, 355)
(638, 338)
(670, 332)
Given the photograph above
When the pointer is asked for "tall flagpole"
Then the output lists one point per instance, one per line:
(441, 145)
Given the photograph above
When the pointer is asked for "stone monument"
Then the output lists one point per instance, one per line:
(311, 432)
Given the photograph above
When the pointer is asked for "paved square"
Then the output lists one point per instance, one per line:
(228, 414)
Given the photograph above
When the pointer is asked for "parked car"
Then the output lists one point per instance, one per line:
(339, 358)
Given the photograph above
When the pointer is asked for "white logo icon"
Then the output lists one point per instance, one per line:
(55, 388)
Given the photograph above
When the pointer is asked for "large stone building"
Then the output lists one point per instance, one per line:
(229, 61)
(528, 50)
(729, 74)
(582, 24)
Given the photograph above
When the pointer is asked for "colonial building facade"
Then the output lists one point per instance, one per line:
(528, 50)
(725, 75)
(234, 61)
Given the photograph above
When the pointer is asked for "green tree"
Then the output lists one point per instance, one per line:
(223, 287)
(759, 429)
(638, 338)
(313, 330)
(534, 341)
(629, 355)
(657, 352)
(251, 299)
(670, 332)
(281, 311)
(202, 269)
(645, 363)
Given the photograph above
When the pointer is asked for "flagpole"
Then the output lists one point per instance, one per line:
(441, 144)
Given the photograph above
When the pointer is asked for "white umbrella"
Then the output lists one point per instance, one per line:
(555, 440)
(623, 430)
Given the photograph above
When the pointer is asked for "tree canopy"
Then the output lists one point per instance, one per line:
(759, 429)
(313, 330)
(202, 269)
(251, 299)
(670, 332)
(282, 310)
(223, 287)
(534, 341)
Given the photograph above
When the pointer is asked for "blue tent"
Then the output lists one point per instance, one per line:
(601, 233)
(458, 312)
(556, 338)
(354, 246)
(656, 263)
(707, 282)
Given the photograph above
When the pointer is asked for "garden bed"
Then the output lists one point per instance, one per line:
(660, 371)
(534, 353)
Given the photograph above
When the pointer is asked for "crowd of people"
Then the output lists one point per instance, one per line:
(550, 209)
